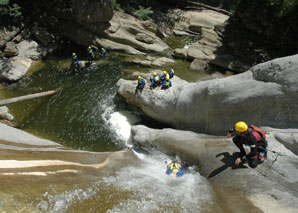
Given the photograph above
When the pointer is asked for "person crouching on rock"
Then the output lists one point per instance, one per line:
(253, 137)
(175, 169)
(167, 83)
(141, 83)
(155, 81)
(163, 76)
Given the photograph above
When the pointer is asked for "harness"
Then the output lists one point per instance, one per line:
(262, 143)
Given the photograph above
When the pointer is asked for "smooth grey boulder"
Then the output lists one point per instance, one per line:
(13, 69)
(266, 95)
(275, 182)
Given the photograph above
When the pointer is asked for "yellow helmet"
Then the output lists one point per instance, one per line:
(154, 74)
(241, 126)
(102, 48)
(167, 78)
(139, 77)
(174, 171)
(165, 72)
(89, 47)
(74, 54)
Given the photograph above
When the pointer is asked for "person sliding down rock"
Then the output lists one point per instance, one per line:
(166, 83)
(175, 169)
(155, 81)
(141, 84)
(253, 137)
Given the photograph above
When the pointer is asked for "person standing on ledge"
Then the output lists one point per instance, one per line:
(253, 137)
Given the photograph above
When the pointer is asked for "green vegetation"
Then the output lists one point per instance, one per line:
(116, 5)
(143, 13)
(9, 9)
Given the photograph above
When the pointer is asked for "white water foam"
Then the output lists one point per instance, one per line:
(120, 125)
(153, 190)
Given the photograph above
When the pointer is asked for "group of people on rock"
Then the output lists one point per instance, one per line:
(251, 135)
(91, 56)
(156, 81)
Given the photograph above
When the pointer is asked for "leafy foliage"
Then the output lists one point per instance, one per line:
(143, 13)
(116, 5)
(10, 10)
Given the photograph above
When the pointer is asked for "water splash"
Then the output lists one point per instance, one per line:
(153, 190)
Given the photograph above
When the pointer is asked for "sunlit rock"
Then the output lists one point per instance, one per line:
(264, 95)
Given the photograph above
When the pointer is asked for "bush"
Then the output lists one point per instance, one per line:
(10, 10)
(116, 5)
(143, 13)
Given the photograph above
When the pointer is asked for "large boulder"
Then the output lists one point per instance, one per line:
(272, 183)
(265, 95)
(15, 68)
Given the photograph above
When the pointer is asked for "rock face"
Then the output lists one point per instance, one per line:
(273, 182)
(95, 22)
(209, 26)
(265, 95)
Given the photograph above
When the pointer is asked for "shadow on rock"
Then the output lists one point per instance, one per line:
(229, 161)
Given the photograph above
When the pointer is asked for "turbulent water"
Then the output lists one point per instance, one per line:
(86, 113)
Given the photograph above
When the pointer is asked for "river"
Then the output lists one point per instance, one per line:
(87, 114)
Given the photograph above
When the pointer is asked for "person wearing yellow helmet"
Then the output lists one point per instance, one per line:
(141, 83)
(103, 51)
(74, 62)
(166, 83)
(175, 169)
(252, 136)
(91, 54)
(155, 81)
(163, 76)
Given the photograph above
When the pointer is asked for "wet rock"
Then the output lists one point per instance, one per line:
(275, 179)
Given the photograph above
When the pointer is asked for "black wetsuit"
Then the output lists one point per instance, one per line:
(257, 145)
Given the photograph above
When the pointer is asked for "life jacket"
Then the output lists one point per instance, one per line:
(74, 57)
(156, 79)
(167, 84)
(260, 135)
(140, 81)
(261, 132)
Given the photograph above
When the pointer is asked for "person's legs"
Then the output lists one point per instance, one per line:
(238, 142)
